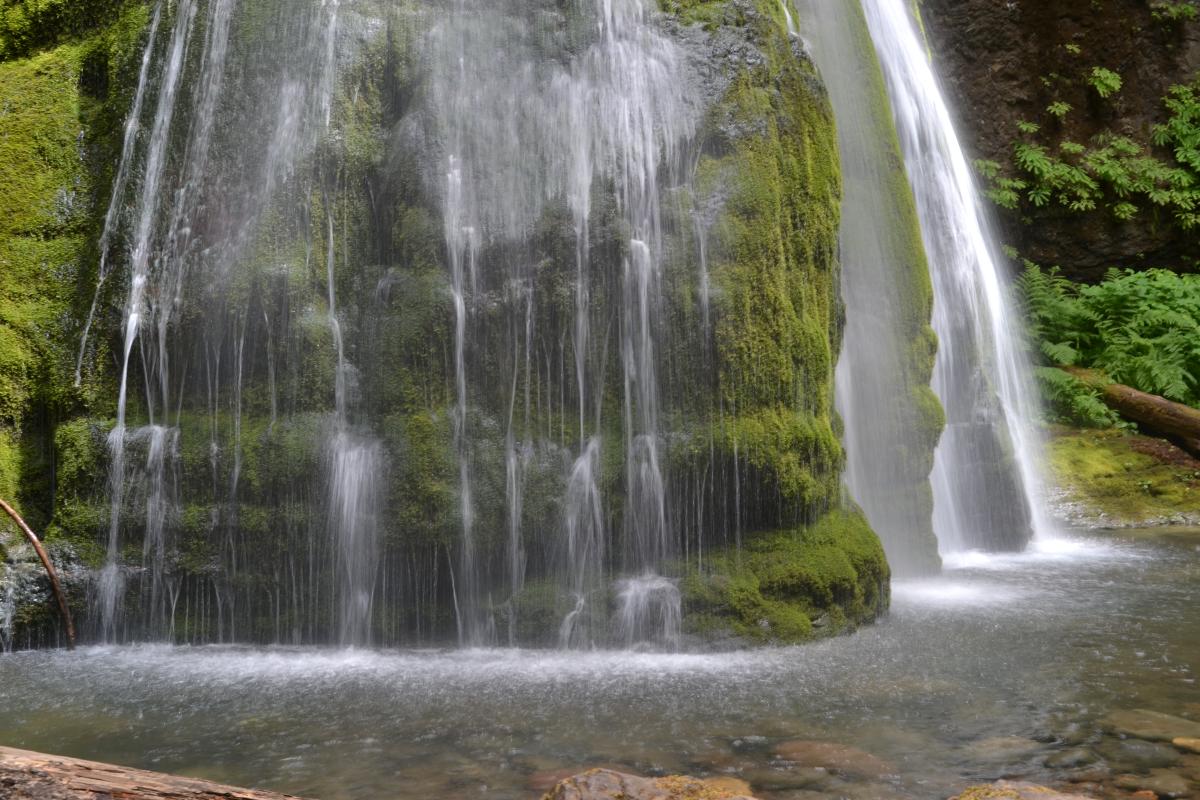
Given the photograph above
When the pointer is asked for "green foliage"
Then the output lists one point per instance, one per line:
(1140, 328)
(1174, 11)
(28, 25)
(1105, 82)
(1072, 401)
(1114, 173)
(1058, 109)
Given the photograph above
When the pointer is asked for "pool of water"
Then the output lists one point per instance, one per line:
(991, 670)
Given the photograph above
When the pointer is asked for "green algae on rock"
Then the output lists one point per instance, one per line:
(789, 586)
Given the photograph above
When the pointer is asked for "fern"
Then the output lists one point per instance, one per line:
(1070, 400)
(1105, 82)
(1058, 109)
(1123, 176)
(1141, 328)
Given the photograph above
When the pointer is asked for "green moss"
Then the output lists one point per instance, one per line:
(424, 500)
(26, 25)
(707, 13)
(1114, 478)
(790, 586)
(771, 160)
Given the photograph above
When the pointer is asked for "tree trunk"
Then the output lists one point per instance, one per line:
(1174, 420)
(63, 608)
(26, 775)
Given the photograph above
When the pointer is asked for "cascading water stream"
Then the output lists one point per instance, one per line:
(111, 581)
(173, 234)
(891, 419)
(985, 475)
(613, 111)
(120, 182)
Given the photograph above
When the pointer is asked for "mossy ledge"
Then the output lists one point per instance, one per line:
(1116, 479)
(790, 586)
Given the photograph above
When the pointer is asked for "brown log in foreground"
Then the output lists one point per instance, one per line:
(1175, 420)
(25, 775)
(63, 608)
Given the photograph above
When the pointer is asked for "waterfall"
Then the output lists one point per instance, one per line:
(195, 214)
(613, 111)
(111, 581)
(884, 372)
(428, 321)
(985, 476)
(120, 182)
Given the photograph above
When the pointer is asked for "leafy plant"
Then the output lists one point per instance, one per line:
(1105, 82)
(1140, 328)
(1058, 109)
(1171, 11)
(1070, 400)
(1112, 172)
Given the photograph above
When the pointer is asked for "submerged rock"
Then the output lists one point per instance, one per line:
(1152, 725)
(1071, 758)
(834, 757)
(1015, 790)
(1162, 782)
(1138, 754)
(607, 784)
(1003, 748)
(1187, 743)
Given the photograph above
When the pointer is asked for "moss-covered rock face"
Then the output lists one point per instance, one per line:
(1115, 479)
(790, 586)
(229, 527)
(66, 72)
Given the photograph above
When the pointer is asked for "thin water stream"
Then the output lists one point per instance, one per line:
(999, 666)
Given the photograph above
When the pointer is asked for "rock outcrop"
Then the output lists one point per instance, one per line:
(1007, 62)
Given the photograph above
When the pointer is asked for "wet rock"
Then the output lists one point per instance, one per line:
(1152, 725)
(1003, 749)
(1015, 790)
(1162, 782)
(1138, 755)
(1072, 758)
(838, 758)
(607, 784)
(784, 780)
(1190, 767)
(1187, 743)
(728, 783)
(545, 779)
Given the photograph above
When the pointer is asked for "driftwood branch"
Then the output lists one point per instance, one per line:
(1174, 420)
(63, 608)
(25, 775)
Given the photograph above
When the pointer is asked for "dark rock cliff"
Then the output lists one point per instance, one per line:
(1007, 62)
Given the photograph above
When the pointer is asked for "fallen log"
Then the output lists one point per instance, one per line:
(25, 775)
(63, 608)
(1174, 420)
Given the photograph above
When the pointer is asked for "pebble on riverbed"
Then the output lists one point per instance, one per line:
(607, 784)
(1164, 783)
(1015, 790)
